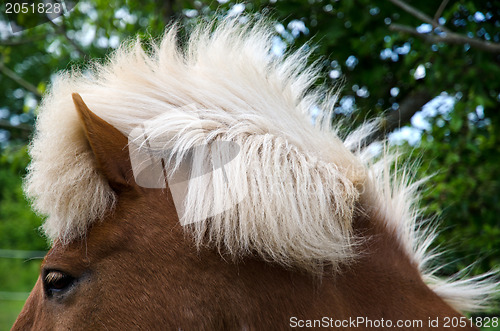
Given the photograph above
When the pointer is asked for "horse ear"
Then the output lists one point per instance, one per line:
(109, 145)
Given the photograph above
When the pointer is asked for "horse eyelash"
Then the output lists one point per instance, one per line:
(53, 276)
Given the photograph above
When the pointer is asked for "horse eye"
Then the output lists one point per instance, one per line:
(57, 282)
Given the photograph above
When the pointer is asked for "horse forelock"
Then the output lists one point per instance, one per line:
(302, 184)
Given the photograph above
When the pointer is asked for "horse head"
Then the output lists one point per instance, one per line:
(193, 193)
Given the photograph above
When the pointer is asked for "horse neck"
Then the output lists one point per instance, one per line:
(144, 257)
(381, 282)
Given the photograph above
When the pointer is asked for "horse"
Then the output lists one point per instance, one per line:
(190, 186)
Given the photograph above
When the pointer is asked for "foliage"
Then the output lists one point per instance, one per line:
(8, 313)
(18, 230)
(465, 184)
(18, 224)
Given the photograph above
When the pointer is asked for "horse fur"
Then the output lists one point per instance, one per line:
(303, 183)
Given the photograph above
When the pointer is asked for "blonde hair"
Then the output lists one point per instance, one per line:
(301, 182)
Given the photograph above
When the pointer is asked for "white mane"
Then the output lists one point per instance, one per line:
(226, 85)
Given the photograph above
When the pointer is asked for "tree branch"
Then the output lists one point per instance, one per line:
(19, 80)
(438, 13)
(407, 108)
(396, 119)
(416, 13)
(60, 29)
(21, 41)
(166, 10)
(8, 125)
(448, 38)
